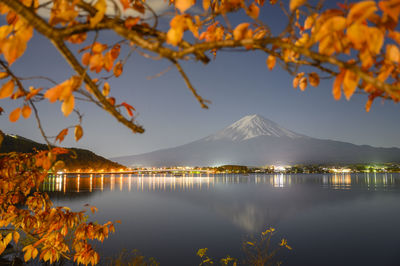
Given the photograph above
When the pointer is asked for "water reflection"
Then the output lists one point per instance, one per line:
(122, 182)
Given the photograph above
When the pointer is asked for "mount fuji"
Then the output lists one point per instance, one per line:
(255, 140)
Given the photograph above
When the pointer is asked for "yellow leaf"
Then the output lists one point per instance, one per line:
(357, 34)
(350, 83)
(78, 132)
(3, 75)
(253, 11)
(366, 59)
(361, 11)
(26, 111)
(333, 24)
(303, 83)
(206, 4)
(309, 22)
(34, 253)
(271, 61)
(183, 5)
(14, 115)
(375, 39)
(53, 93)
(106, 89)
(7, 89)
(336, 90)
(294, 4)
(16, 237)
(296, 80)
(7, 239)
(392, 53)
(68, 105)
(5, 30)
(101, 6)
(174, 36)
(28, 254)
(13, 48)
(240, 31)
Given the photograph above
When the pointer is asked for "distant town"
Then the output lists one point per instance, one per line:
(241, 169)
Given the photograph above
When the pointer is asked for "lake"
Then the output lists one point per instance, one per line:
(328, 219)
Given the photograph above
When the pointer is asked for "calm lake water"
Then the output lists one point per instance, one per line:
(328, 219)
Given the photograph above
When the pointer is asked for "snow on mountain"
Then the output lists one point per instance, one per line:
(254, 140)
(252, 126)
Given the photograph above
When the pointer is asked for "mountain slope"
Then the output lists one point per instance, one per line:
(254, 140)
(85, 159)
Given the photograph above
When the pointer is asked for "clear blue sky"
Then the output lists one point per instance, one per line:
(238, 84)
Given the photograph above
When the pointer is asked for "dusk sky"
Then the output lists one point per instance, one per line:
(238, 84)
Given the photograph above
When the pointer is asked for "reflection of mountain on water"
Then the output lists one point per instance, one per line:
(249, 202)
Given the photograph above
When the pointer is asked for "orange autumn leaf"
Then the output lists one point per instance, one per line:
(314, 79)
(375, 39)
(350, 83)
(331, 25)
(115, 51)
(108, 61)
(130, 22)
(125, 4)
(54, 93)
(296, 80)
(68, 105)
(240, 31)
(26, 111)
(206, 4)
(7, 89)
(96, 62)
(294, 4)
(78, 132)
(361, 11)
(183, 5)
(129, 108)
(111, 100)
(60, 137)
(391, 7)
(3, 75)
(86, 58)
(337, 84)
(174, 36)
(303, 83)
(106, 89)
(13, 48)
(118, 68)
(253, 11)
(14, 115)
(392, 53)
(32, 93)
(395, 36)
(271, 61)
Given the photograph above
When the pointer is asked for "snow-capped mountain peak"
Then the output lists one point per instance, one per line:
(252, 126)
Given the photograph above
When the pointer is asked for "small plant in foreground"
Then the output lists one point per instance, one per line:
(258, 251)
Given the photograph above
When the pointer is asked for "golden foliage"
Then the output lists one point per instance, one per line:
(24, 210)
(355, 44)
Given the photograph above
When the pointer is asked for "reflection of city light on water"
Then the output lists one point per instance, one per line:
(91, 182)
(342, 181)
(279, 181)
